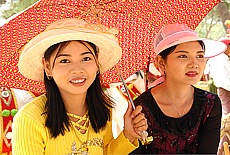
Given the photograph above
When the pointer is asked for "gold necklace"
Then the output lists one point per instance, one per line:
(84, 119)
(83, 150)
(180, 114)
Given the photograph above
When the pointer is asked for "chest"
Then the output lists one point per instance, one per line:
(75, 143)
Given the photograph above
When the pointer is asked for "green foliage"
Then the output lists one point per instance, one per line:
(211, 31)
(2, 1)
(211, 26)
(17, 6)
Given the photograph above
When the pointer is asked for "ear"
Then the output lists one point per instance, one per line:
(47, 67)
(159, 61)
(160, 64)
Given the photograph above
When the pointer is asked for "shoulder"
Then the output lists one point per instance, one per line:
(207, 96)
(33, 110)
(209, 100)
(204, 94)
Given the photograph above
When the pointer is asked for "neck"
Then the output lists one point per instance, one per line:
(75, 104)
(180, 99)
(180, 93)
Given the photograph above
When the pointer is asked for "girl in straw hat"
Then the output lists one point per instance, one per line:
(74, 115)
(181, 118)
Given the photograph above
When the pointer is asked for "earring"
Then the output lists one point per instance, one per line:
(98, 72)
(49, 77)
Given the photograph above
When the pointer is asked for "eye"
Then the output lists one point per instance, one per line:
(182, 56)
(87, 59)
(200, 56)
(64, 61)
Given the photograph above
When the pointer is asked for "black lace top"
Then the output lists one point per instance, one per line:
(198, 131)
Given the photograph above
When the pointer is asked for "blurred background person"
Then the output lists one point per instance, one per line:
(218, 69)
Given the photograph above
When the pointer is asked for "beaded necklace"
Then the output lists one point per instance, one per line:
(82, 129)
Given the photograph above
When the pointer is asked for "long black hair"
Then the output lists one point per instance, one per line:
(98, 103)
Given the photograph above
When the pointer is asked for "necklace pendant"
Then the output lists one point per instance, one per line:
(180, 115)
(84, 151)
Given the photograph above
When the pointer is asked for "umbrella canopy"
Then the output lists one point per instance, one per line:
(137, 22)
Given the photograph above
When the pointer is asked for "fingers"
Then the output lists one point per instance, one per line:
(134, 123)
(139, 121)
(137, 111)
(141, 125)
(129, 109)
(137, 115)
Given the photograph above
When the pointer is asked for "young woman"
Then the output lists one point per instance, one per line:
(181, 118)
(74, 115)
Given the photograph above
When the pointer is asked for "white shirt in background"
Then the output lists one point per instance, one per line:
(218, 68)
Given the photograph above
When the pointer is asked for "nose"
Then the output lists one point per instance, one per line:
(73, 72)
(76, 69)
(193, 64)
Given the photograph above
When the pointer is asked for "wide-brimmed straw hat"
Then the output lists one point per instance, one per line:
(174, 34)
(30, 60)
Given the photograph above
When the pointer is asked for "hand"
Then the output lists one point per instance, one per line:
(134, 123)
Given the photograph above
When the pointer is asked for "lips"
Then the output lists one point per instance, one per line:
(78, 81)
(191, 73)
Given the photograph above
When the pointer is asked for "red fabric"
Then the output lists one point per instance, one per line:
(137, 22)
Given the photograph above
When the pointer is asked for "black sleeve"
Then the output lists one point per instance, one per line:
(210, 134)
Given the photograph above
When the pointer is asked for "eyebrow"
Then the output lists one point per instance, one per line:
(188, 52)
(84, 53)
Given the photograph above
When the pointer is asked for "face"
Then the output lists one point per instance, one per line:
(185, 65)
(73, 68)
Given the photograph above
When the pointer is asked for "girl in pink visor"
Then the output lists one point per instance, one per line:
(182, 119)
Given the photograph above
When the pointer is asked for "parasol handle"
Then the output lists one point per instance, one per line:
(126, 88)
(145, 140)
